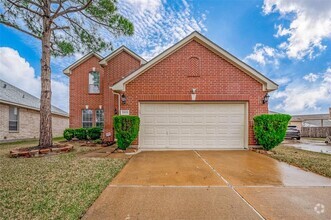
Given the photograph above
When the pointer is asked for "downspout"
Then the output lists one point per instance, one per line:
(119, 102)
(119, 107)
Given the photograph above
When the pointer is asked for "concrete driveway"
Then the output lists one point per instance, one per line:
(212, 185)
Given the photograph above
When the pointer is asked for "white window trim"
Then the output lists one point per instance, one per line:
(17, 121)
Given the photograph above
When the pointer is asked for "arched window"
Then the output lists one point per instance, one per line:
(194, 66)
(94, 82)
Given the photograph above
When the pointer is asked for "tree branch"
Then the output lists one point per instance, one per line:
(20, 29)
(26, 8)
(71, 10)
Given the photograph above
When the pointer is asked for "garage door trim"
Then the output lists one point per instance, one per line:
(208, 102)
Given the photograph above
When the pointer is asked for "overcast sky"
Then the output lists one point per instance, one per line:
(287, 40)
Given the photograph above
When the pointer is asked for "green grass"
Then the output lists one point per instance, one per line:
(311, 161)
(54, 187)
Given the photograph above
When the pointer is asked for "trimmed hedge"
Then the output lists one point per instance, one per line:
(270, 130)
(81, 133)
(69, 134)
(93, 133)
(126, 130)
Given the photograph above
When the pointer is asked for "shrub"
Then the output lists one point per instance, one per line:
(94, 133)
(126, 129)
(270, 130)
(81, 133)
(69, 134)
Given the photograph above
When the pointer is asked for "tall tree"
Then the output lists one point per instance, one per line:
(64, 27)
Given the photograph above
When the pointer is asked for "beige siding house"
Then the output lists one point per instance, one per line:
(19, 115)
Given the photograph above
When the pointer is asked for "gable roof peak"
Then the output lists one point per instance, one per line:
(268, 85)
(122, 48)
(67, 70)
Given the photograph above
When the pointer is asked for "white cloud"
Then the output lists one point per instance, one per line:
(15, 70)
(145, 5)
(159, 25)
(311, 77)
(282, 80)
(301, 96)
(310, 23)
(263, 55)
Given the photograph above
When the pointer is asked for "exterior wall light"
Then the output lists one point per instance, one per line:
(93, 69)
(100, 106)
(123, 99)
(193, 94)
(266, 98)
(86, 106)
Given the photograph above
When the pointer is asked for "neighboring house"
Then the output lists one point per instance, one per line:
(312, 120)
(194, 95)
(19, 113)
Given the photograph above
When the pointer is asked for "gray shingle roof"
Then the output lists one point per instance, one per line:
(12, 95)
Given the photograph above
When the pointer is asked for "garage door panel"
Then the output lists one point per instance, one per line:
(192, 125)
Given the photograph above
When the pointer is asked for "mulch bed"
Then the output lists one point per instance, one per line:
(37, 151)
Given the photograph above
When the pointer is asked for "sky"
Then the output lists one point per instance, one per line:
(289, 41)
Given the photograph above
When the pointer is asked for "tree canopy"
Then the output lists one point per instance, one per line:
(76, 25)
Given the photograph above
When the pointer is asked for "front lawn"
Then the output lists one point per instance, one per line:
(52, 187)
(312, 161)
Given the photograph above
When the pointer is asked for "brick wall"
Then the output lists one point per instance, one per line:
(78, 91)
(116, 68)
(28, 124)
(217, 80)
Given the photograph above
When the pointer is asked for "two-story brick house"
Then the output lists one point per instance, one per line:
(194, 95)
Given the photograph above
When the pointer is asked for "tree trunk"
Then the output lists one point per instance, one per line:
(45, 139)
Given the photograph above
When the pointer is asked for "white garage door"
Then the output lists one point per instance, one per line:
(192, 125)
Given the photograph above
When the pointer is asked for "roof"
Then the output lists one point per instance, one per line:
(268, 85)
(12, 95)
(67, 70)
(119, 50)
(310, 117)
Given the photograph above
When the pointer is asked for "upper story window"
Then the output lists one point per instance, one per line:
(87, 118)
(13, 118)
(94, 82)
(99, 118)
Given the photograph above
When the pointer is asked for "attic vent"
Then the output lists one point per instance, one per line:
(194, 66)
(23, 96)
(4, 86)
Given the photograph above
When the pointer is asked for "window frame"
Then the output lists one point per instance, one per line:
(17, 121)
(89, 84)
(84, 121)
(96, 118)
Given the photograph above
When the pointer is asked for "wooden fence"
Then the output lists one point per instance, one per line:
(316, 132)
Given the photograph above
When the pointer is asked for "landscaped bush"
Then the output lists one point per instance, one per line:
(69, 134)
(126, 130)
(81, 133)
(270, 130)
(94, 133)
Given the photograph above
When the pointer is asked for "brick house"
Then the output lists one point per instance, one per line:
(20, 115)
(193, 95)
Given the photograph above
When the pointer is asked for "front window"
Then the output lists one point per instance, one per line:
(13, 118)
(94, 82)
(99, 118)
(87, 121)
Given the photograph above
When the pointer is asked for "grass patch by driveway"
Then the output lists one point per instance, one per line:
(53, 187)
(312, 161)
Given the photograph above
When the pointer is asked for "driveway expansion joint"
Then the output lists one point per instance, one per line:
(229, 185)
